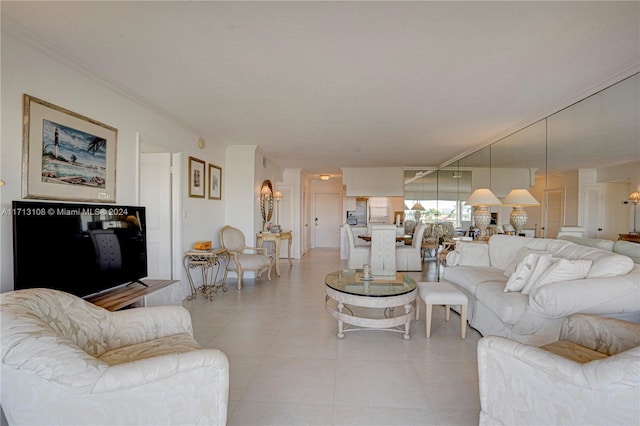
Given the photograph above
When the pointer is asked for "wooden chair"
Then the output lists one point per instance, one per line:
(242, 257)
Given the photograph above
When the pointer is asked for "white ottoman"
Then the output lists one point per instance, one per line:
(442, 293)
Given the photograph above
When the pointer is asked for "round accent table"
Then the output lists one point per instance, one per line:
(346, 289)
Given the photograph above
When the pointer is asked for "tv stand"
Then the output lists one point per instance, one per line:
(138, 282)
(128, 296)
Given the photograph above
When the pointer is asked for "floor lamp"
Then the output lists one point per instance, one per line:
(277, 196)
(634, 198)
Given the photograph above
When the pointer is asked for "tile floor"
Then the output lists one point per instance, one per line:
(288, 367)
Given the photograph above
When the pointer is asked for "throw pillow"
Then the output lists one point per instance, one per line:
(473, 254)
(563, 270)
(520, 256)
(544, 262)
(523, 271)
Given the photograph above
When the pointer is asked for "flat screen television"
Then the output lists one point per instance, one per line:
(82, 249)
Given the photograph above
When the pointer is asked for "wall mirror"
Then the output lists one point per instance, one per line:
(266, 203)
(580, 164)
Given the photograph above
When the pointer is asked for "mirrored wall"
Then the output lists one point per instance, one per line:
(581, 164)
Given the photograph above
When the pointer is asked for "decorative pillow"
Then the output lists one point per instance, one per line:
(473, 254)
(520, 256)
(565, 270)
(523, 271)
(544, 262)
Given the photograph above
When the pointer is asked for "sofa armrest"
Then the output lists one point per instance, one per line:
(522, 384)
(148, 370)
(139, 325)
(605, 335)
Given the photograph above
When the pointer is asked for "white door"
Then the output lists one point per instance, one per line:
(554, 210)
(155, 195)
(327, 221)
(593, 211)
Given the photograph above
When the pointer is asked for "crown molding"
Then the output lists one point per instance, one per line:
(10, 27)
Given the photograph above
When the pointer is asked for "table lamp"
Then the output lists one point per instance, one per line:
(518, 198)
(481, 199)
(277, 196)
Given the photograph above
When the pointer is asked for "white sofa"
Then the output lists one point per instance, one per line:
(610, 288)
(591, 376)
(66, 361)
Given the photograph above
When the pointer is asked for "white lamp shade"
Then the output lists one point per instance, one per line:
(520, 197)
(634, 197)
(417, 206)
(277, 195)
(483, 197)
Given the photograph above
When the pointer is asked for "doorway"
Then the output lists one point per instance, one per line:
(327, 221)
(159, 192)
(553, 208)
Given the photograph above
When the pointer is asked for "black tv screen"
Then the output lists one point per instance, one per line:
(78, 248)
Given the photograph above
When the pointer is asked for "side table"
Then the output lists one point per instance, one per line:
(207, 261)
(277, 238)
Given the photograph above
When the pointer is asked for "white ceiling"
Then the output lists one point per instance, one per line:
(324, 85)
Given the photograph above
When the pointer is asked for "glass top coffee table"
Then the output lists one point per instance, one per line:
(346, 289)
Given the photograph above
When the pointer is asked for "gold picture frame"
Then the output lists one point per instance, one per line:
(65, 155)
(197, 178)
(215, 182)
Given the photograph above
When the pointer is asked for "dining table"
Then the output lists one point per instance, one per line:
(399, 238)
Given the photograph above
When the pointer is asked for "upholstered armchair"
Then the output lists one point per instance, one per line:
(409, 258)
(358, 255)
(590, 376)
(242, 257)
(67, 361)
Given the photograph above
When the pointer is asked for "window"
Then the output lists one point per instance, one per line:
(379, 209)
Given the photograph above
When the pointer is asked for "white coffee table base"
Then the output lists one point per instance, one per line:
(395, 323)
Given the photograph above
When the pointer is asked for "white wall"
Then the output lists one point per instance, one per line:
(25, 69)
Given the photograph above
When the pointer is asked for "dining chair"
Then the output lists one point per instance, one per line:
(409, 257)
(358, 254)
(383, 249)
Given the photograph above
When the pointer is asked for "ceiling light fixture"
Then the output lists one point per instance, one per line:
(325, 177)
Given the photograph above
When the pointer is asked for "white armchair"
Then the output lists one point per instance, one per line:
(67, 361)
(242, 257)
(409, 258)
(590, 376)
(358, 255)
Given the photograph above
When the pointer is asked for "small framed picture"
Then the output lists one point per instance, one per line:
(196, 178)
(215, 182)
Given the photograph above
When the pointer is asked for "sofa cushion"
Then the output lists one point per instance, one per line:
(503, 249)
(589, 242)
(628, 249)
(573, 351)
(509, 307)
(473, 254)
(468, 277)
(177, 343)
(605, 264)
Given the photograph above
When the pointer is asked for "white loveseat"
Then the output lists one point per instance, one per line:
(66, 361)
(610, 288)
(591, 376)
